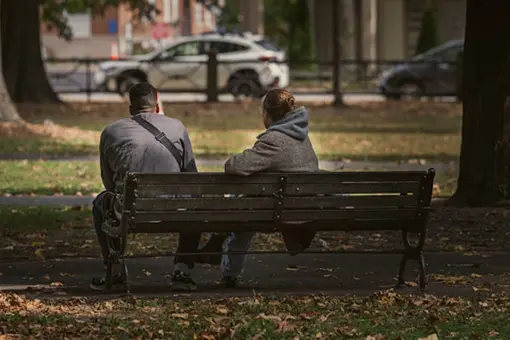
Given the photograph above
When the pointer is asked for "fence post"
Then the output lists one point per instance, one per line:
(212, 77)
(459, 78)
(87, 79)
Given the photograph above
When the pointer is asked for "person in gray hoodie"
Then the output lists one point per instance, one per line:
(128, 146)
(283, 147)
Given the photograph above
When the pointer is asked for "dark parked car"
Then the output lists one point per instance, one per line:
(432, 73)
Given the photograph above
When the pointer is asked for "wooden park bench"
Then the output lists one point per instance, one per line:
(328, 201)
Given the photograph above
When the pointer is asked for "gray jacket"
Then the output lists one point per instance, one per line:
(126, 146)
(283, 147)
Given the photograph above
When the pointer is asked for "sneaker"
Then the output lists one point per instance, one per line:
(99, 284)
(182, 282)
(230, 281)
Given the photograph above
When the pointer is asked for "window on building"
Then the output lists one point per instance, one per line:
(208, 19)
(167, 11)
(198, 14)
(175, 10)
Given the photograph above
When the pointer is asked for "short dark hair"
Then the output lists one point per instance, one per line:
(143, 96)
(278, 102)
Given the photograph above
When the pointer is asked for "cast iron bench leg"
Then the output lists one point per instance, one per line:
(415, 253)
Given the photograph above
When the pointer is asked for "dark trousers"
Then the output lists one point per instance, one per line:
(99, 207)
(188, 243)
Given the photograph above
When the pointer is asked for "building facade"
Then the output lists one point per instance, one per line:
(390, 28)
(94, 35)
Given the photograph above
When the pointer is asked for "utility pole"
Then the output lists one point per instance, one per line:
(337, 41)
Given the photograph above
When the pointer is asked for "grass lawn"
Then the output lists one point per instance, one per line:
(375, 131)
(49, 178)
(385, 315)
(72, 177)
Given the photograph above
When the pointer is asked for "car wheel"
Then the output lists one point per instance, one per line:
(410, 90)
(125, 84)
(246, 85)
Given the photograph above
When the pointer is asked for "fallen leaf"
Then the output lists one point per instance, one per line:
(493, 333)
(269, 317)
(481, 289)
(38, 244)
(147, 273)
(221, 310)
(284, 326)
(476, 276)
(375, 337)
(295, 268)
(67, 274)
(411, 284)
(39, 255)
(57, 284)
(430, 337)
(182, 316)
(46, 277)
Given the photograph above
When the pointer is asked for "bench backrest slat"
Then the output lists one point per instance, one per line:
(291, 189)
(268, 215)
(261, 203)
(265, 178)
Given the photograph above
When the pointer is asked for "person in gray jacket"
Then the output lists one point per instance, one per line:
(127, 146)
(283, 147)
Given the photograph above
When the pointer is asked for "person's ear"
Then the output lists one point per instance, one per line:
(157, 108)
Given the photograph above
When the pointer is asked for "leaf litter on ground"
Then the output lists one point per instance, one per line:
(383, 315)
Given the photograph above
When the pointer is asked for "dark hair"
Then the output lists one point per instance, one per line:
(278, 102)
(143, 96)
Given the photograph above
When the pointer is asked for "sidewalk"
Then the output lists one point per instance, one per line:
(338, 274)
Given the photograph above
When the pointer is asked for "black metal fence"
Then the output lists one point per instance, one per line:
(212, 77)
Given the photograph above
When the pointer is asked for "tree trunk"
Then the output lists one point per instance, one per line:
(8, 112)
(484, 169)
(23, 68)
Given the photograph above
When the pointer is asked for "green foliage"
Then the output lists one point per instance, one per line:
(230, 18)
(429, 37)
(53, 11)
(287, 22)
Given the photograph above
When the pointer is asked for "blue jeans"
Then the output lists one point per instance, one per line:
(232, 264)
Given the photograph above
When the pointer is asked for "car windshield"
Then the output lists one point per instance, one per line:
(440, 52)
(268, 45)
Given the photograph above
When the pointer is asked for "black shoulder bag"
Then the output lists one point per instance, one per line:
(162, 138)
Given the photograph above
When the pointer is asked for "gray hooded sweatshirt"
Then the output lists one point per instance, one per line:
(126, 146)
(283, 147)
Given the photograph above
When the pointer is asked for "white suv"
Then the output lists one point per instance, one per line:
(247, 65)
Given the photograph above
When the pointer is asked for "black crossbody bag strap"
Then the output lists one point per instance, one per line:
(162, 138)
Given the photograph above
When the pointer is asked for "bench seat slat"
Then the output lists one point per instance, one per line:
(298, 178)
(261, 203)
(311, 189)
(323, 225)
(268, 215)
